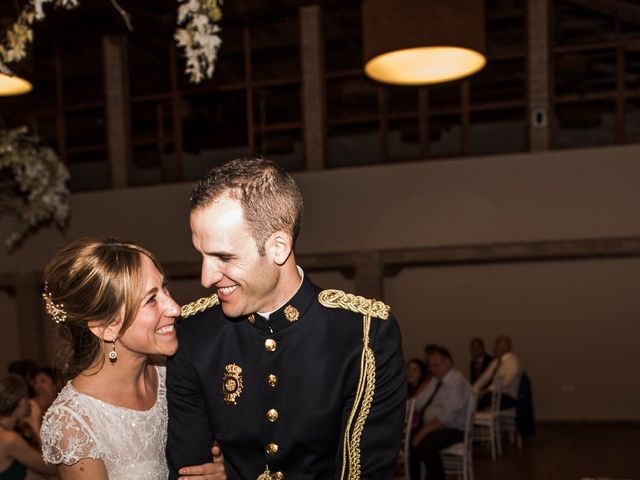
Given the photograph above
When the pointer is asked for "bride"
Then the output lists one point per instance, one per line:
(113, 310)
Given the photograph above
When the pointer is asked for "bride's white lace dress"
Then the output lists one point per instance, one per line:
(131, 443)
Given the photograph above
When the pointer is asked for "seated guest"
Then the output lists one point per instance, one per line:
(16, 455)
(443, 405)
(28, 426)
(46, 385)
(480, 359)
(429, 348)
(418, 377)
(26, 369)
(506, 369)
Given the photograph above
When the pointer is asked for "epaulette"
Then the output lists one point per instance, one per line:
(354, 303)
(199, 305)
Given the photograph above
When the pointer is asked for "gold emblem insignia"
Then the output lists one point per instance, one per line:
(266, 475)
(231, 383)
(252, 318)
(291, 313)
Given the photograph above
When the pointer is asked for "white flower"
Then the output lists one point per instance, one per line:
(183, 38)
(186, 9)
(37, 8)
(68, 4)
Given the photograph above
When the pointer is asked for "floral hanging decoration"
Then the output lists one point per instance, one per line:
(20, 34)
(32, 184)
(197, 33)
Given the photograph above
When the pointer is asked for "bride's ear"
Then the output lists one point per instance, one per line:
(104, 332)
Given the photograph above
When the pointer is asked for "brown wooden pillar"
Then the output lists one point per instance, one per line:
(313, 86)
(539, 48)
(116, 94)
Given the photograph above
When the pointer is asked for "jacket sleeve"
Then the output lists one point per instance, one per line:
(382, 433)
(189, 437)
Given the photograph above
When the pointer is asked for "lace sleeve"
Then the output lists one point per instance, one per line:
(67, 436)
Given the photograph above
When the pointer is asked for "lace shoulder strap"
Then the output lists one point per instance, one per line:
(66, 433)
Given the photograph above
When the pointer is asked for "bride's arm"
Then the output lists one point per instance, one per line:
(85, 469)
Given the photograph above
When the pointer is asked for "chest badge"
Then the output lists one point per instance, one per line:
(291, 313)
(231, 383)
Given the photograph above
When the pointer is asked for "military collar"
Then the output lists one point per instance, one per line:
(289, 313)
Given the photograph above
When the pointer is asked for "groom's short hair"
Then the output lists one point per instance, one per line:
(270, 198)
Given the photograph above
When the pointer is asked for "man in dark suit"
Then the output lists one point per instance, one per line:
(291, 381)
(480, 359)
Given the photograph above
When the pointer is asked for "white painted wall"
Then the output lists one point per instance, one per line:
(574, 323)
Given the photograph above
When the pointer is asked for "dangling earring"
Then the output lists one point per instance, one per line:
(113, 355)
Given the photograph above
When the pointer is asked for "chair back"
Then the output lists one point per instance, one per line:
(496, 395)
(468, 428)
(457, 459)
(403, 467)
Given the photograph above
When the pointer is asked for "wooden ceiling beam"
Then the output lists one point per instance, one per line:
(624, 10)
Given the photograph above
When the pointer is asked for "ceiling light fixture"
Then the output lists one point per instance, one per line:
(420, 42)
(13, 85)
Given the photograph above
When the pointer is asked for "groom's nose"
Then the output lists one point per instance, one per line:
(211, 274)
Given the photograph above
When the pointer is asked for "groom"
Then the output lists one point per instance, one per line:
(292, 381)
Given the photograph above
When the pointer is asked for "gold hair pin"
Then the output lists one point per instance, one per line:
(56, 311)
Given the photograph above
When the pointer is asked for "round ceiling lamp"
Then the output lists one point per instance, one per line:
(13, 85)
(420, 42)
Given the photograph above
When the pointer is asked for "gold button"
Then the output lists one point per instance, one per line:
(272, 415)
(277, 476)
(272, 448)
(272, 380)
(270, 344)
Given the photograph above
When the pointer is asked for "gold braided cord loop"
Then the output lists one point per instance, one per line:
(348, 451)
(354, 303)
(362, 401)
(365, 408)
(199, 305)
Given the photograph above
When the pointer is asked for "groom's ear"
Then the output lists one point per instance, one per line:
(279, 246)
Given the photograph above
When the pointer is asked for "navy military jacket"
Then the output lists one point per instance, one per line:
(277, 394)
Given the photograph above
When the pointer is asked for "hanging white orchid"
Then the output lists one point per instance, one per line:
(199, 36)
